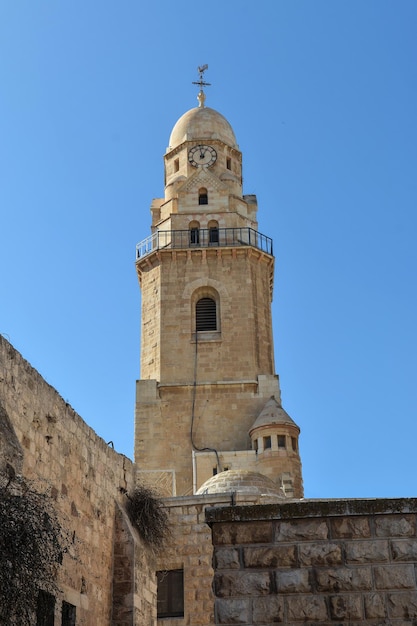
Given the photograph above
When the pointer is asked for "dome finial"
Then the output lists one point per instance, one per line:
(201, 98)
(201, 95)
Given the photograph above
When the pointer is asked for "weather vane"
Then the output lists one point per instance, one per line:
(201, 95)
(201, 69)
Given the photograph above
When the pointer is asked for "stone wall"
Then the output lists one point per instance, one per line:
(321, 562)
(190, 548)
(44, 440)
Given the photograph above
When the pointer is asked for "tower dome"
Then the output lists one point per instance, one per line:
(202, 123)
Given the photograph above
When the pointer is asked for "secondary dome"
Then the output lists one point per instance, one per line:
(241, 482)
(202, 123)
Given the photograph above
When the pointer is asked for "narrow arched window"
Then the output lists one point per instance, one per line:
(194, 228)
(202, 196)
(213, 227)
(206, 314)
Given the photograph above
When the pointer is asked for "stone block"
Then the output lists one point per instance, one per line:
(350, 528)
(346, 607)
(293, 581)
(245, 532)
(395, 526)
(375, 606)
(311, 529)
(320, 553)
(242, 584)
(403, 604)
(268, 610)
(367, 552)
(304, 608)
(267, 557)
(394, 577)
(226, 558)
(344, 579)
(232, 611)
(404, 549)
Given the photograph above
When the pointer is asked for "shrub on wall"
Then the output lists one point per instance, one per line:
(148, 515)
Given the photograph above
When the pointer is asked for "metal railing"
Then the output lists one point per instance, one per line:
(204, 238)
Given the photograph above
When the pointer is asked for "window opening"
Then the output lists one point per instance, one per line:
(205, 315)
(228, 163)
(170, 593)
(68, 614)
(214, 234)
(176, 165)
(45, 609)
(267, 442)
(202, 196)
(294, 443)
(213, 227)
(214, 471)
(194, 236)
(281, 441)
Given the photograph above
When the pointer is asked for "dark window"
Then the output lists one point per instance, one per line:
(202, 196)
(281, 441)
(170, 595)
(214, 234)
(294, 443)
(194, 236)
(228, 163)
(176, 165)
(214, 471)
(205, 315)
(267, 442)
(45, 609)
(68, 614)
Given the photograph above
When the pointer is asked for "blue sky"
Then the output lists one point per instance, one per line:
(322, 96)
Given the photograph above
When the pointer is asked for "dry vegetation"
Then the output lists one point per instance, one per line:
(32, 544)
(148, 516)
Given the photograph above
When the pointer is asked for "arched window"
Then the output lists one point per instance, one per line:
(213, 227)
(202, 196)
(206, 314)
(194, 228)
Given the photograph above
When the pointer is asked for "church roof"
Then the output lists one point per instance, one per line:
(203, 124)
(272, 413)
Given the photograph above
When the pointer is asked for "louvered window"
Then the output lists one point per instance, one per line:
(206, 315)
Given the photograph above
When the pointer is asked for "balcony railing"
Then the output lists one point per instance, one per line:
(203, 238)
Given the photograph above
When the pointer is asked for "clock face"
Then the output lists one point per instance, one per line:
(202, 155)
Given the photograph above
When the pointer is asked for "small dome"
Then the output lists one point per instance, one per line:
(202, 123)
(241, 482)
(272, 413)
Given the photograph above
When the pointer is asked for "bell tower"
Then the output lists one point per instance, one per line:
(207, 359)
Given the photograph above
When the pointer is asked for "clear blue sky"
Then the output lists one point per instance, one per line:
(323, 99)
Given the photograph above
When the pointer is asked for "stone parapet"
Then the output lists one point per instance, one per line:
(353, 561)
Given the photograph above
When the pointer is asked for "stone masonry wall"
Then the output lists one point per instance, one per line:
(45, 440)
(320, 562)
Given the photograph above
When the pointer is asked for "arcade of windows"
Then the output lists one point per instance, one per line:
(213, 233)
(276, 442)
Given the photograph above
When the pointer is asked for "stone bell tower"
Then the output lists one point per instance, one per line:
(207, 358)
